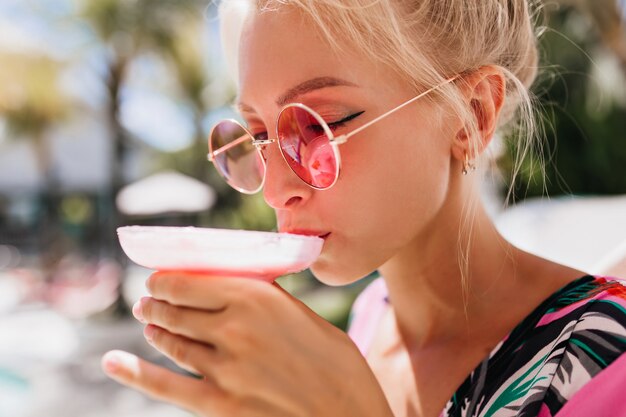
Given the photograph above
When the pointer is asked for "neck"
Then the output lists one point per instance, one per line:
(439, 299)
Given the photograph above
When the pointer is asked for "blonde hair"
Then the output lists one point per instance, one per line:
(426, 41)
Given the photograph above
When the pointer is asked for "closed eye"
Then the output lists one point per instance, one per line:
(317, 129)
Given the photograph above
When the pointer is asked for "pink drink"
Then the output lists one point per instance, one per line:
(223, 252)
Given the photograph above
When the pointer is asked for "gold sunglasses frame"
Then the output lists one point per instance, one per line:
(334, 141)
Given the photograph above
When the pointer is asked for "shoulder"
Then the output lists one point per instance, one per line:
(590, 318)
(602, 395)
(600, 314)
(570, 341)
(591, 303)
(366, 311)
(594, 344)
(574, 336)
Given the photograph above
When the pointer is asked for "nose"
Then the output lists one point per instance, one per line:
(282, 189)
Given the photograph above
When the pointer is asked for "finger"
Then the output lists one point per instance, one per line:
(202, 326)
(186, 353)
(303, 307)
(222, 370)
(159, 383)
(197, 290)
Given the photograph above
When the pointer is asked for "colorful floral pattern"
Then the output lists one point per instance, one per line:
(564, 359)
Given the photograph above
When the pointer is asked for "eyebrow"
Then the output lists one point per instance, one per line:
(303, 88)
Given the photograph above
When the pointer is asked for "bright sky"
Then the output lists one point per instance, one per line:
(38, 26)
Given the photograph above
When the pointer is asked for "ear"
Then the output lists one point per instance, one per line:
(484, 91)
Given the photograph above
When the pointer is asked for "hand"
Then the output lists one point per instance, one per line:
(261, 352)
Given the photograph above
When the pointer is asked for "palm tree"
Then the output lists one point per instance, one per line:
(128, 28)
(31, 103)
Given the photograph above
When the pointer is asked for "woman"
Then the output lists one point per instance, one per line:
(461, 322)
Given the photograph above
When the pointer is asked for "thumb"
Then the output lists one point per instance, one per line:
(303, 307)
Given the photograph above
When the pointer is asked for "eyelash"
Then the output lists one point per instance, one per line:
(333, 125)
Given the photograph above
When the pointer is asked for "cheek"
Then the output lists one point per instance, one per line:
(399, 175)
(391, 188)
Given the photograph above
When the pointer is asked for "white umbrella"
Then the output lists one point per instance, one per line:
(165, 192)
(588, 233)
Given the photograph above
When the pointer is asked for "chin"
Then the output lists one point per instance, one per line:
(334, 275)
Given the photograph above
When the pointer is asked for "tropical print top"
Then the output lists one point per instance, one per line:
(564, 359)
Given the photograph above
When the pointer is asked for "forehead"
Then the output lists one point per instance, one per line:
(280, 49)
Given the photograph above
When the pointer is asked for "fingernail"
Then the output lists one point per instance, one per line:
(110, 364)
(137, 311)
(115, 361)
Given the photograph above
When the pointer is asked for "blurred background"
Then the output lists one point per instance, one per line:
(105, 106)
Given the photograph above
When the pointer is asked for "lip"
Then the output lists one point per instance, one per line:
(307, 232)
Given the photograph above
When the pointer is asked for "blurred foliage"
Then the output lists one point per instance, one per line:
(31, 103)
(583, 93)
(30, 99)
(131, 25)
(168, 28)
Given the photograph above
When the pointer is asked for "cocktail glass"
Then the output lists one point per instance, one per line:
(222, 252)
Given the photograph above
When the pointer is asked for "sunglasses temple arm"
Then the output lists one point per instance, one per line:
(344, 138)
(211, 156)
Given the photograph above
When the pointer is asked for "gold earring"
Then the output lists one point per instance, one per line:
(468, 165)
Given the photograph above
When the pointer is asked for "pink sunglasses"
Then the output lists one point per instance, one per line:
(305, 140)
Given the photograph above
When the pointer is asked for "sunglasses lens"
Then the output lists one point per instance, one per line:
(239, 163)
(306, 147)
